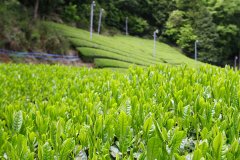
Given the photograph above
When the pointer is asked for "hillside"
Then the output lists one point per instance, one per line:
(214, 24)
(121, 51)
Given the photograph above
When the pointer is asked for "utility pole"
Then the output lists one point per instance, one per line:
(239, 61)
(235, 62)
(100, 20)
(91, 19)
(196, 50)
(155, 39)
(126, 26)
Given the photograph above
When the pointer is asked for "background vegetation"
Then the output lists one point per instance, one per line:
(20, 32)
(213, 22)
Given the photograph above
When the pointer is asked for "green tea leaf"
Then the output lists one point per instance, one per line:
(217, 146)
(47, 152)
(67, 147)
(153, 148)
(176, 141)
(17, 121)
(197, 155)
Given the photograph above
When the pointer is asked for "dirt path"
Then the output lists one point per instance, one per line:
(11, 59)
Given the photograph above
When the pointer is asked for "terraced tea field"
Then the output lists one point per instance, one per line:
(121, 51)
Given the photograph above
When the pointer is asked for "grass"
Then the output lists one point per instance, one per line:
(124, 50)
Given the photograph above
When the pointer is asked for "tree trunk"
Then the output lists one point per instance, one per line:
(36, 9)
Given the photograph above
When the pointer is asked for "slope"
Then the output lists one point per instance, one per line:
(121, 51)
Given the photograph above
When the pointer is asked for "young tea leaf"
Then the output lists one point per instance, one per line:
(17, 121)
(153, 148)
(217, 146)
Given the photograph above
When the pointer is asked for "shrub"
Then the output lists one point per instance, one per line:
(137, 25)
(70, 13)
(186, 39)
(19, 33)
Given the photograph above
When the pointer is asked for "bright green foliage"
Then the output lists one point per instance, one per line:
(47, 152)
(161, 112)
(66, 148)
(153, 148)
(17, 121)
(122, 48)
(217, 146)
(197, 154)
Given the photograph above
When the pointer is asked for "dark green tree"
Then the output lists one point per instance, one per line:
(225, 15)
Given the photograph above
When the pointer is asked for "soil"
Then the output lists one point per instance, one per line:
(78, 63)
(4, 58)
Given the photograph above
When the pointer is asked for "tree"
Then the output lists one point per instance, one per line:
(36, 9)
(207, 34)
(156, 12)
(186, 39)
(43, 7)
(174, 23)
(225, 15)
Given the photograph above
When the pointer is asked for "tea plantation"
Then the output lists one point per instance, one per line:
(163, 112)
(120, 51)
